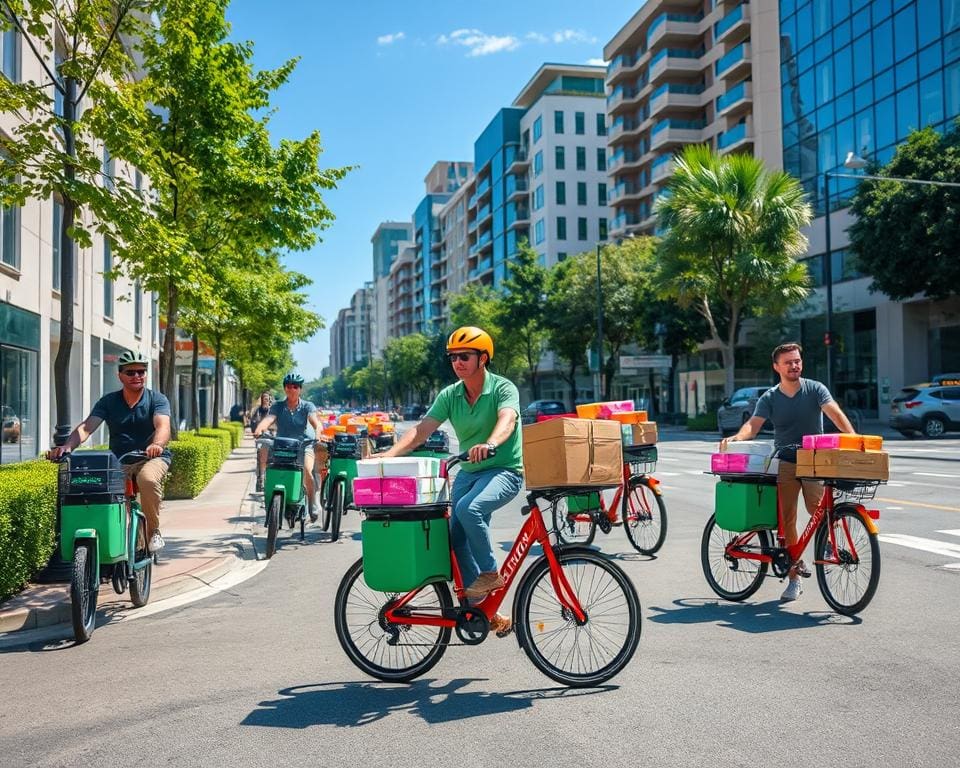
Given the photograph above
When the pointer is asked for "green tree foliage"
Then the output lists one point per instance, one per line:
(522, 311)
(408, 366)
(905, 236)
(481, 306)
(570, 322)
(733, 231)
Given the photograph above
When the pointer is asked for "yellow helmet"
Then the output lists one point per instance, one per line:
(470, 337)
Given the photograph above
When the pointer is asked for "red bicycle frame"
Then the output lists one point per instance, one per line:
(534, 531)
(611, 511)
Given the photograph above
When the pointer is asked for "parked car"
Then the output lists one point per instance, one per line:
(437, 441)
(927, 408)
(11, 425)
(413, 412)
(737, 409)
(541, 408)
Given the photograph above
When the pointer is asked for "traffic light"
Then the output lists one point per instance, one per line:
(828, 339)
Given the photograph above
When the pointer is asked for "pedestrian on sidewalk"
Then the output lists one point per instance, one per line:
(139, 420)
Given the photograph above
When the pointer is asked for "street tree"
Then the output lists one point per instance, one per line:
(522, 312)
(905, 236)
(570, 322)
(733, 232)
(408, 365)
(482, 306)
(59, 149)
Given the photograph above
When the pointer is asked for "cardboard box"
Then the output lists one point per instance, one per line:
(639, 434)
(630, 417)
(563, 452)
(843, 440)
(753, 447)
(604, 410)
(843, 464)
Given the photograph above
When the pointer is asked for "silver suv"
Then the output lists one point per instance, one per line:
(930, 409)
(737, 409)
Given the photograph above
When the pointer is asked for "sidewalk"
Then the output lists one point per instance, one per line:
(206, 538)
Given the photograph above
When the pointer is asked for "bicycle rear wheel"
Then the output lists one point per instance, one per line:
(395, 653)
(644, 516)
(565, 651)
(849, 582)
(273, 523)
(325, 503)
(83, 596)
(573, 527)
(732, 578)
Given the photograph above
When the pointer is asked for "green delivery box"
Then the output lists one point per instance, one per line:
(405, 548)
(745, 506)
(586, 503)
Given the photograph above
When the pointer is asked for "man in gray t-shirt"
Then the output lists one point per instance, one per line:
(795, 407)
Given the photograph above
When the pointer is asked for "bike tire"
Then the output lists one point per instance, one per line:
(644, 523)
(273, 523)
(142, 579)
(741, 577)
(361, 632)
(847, 586)
(572, 528)
(83, 597)
(325, 505)
(336, 514)
(545, 627)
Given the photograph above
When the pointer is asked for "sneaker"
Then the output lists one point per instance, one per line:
(313, 515)
(156, 542)
(792, 592)
(501, 625)
(801, 569)
(484, 585)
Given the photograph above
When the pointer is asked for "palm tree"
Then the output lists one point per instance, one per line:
(732, 235)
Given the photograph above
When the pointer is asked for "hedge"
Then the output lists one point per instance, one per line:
(28, 511)
(195, 461)
(236, 431)
(222, 436)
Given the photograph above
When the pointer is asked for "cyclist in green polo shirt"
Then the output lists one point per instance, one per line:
(484, 410)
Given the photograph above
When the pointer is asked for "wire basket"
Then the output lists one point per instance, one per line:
(855, 490)
(642, 459)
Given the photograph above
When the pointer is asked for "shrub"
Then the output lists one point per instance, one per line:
(221, 435)
(195, 461)
(28, 510)
(235, 428)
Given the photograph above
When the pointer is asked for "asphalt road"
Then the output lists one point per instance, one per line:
(255, 676)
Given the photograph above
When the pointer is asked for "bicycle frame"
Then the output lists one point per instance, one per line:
(135, 519)
(611, 511)
(533, 531)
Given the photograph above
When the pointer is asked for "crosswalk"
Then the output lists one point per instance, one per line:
(948, 549)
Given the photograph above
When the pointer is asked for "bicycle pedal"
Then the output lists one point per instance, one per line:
(504, 633)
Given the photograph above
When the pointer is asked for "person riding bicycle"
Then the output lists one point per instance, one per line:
(484, 410)
(139, 420)
(297, 419)
(795, 407)
(256, 416)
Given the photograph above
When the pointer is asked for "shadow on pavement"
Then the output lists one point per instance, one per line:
(350, 705)
(754, 618)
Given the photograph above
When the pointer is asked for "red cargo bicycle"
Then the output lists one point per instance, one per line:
(576, 613)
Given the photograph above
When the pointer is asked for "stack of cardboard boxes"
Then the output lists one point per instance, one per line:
(399, 482)
(844, 457)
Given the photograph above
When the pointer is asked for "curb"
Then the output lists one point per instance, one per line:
(40, 617)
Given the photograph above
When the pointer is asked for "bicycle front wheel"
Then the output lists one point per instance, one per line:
(337, 504)
(573, 527)
(273, 523)
(644, 516)
(732, 578)
(83, 597)
(142, 577)
(565, 651)
(325, 503)
(394, 653)
(848, 562)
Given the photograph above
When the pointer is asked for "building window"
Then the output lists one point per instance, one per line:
(55, 242)
(561, 193)
(137, 310)
(10, 54)
(538, 232)
(558, 121)
(601, 124)
(581, 193)
(579, 124)
(601, 193)
(603, 229)
(9, 234)
(581, 228)
(581, 158)
(601, 159)
(561, 228)
(538, 163)
(559, 158)
(537, 128)
(107, 169)
(538, 198)
(18, 400)
(561, 256)
(107, 282)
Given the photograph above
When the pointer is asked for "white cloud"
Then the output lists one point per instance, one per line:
(391, 38)
(596, 62)
(572, 36)
(479, 43)
(537, 37)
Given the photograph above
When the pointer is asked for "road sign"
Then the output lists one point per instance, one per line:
(645, 361)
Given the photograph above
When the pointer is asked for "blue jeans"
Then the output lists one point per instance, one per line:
(475, 495)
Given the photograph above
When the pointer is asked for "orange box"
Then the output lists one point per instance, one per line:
(630, 417)
(872, 443)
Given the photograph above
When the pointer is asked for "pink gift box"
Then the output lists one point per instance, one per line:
(615, 406)
(718, 462)
(730, 462)
(399, 491)
(367, 491)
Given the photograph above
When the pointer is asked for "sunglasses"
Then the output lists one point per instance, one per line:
(136, 372)
(293, 386)
(461, 356)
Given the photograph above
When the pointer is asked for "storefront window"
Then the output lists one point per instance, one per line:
(18, 388)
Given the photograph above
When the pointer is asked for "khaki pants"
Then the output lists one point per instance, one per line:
(149, 475)
(789, 488)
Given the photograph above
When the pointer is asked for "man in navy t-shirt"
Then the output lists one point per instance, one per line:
(139, 420)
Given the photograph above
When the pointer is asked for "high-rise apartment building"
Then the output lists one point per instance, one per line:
(384, 242)
(448, 274)
(351, 332)
(687, 72)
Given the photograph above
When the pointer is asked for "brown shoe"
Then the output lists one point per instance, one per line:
(501, 625)
(484, 585)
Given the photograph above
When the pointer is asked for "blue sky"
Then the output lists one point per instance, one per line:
(394, 86)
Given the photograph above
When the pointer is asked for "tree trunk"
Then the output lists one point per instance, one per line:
(729, 351)
(169, 383)
(195, 385)
(671, 394)
(217, 381)
(572, 381)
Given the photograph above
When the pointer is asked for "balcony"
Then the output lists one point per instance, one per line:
(624, 158)
(483, 214)
(520, 162)
(675, 60)
(735, 64)
(737, 98)
(675, 131)
(521, 219)
(731, 26)
(622, 65)
(483, 267)
(673, 26)
(624, 192)
(675, 96)
(517, 188)
(662, 167)
(621, 95)
(735, 138)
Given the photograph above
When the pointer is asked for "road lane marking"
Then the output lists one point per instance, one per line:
(919, 504)
(933, 546)
(934, 474)
(953, 532)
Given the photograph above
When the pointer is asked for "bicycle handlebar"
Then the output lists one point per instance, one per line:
(465, 456)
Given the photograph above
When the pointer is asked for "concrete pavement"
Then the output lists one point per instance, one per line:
(206, 539)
